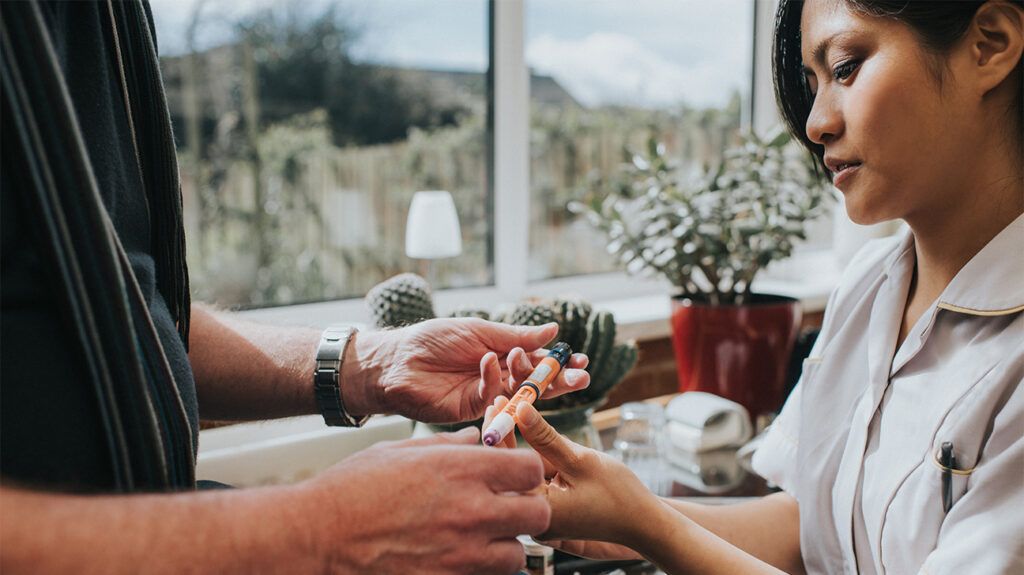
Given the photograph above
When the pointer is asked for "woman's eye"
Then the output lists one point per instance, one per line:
(844, 70)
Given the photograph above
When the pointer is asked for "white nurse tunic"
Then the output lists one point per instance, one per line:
(857, 442)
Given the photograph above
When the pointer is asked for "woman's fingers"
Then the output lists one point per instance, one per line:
(549, 468)
(494, 409)
(551, 446)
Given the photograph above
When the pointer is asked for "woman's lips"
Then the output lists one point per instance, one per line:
(844, 174)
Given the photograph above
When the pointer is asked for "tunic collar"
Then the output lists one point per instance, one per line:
(990, 284)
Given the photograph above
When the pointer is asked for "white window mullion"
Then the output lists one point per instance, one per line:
(766, 114)
(511, 150)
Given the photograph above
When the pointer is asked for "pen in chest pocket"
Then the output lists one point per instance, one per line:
(948, 461)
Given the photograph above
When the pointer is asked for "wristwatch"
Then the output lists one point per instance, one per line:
(326, 379)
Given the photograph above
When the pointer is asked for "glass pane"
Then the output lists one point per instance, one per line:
(305, 128)
(605, 76)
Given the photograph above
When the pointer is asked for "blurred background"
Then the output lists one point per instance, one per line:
(304, 129)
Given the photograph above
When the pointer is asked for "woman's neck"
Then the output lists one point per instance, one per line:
(946, 239)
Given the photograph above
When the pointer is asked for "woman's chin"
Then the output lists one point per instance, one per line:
(863, 212)
(864, 218)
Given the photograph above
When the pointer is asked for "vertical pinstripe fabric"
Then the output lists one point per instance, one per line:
(148, 437)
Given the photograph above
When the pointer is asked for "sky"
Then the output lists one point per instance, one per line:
(649, 53)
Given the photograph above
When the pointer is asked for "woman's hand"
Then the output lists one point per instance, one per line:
(430, 371)
(589, 549)
(588, 490)
(598, 550)
(601, 510)
(593, 496)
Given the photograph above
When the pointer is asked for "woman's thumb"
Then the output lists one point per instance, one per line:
(543, 438)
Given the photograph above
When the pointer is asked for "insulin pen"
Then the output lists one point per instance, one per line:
(528, 392)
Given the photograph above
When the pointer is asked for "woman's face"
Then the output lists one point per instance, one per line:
(896, 142)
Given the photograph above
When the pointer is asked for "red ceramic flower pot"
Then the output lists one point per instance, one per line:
(739, 352)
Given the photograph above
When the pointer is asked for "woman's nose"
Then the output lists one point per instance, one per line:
(825, 122)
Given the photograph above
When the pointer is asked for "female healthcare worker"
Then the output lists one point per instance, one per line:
(915, 109)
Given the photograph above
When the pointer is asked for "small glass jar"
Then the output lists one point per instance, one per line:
(540, 559)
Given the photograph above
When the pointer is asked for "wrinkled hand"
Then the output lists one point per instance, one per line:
(436, 505)
(434, 370)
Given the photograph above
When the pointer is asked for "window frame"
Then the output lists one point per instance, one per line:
(509, 178)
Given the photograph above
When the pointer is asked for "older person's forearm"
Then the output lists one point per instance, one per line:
(214, 532)
(247, 370)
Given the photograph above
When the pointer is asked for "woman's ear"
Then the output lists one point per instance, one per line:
(996, 42)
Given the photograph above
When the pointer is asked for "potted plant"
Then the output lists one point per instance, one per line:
(710, 235)
(406, 299)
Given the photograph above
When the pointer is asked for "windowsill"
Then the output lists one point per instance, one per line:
(807, 276)
(281, 451)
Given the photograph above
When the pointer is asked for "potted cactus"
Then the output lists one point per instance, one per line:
(406, 299)
(709, 236)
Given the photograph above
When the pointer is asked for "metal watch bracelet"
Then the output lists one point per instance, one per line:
(327, 377)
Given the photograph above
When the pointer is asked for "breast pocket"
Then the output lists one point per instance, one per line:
(953, 474)
(915, 514)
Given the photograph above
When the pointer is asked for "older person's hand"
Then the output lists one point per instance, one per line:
(431, 371)
(440, 505)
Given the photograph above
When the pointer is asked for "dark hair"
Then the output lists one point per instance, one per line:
(939, 25)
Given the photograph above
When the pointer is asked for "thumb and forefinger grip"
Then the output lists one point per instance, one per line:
(544, 439)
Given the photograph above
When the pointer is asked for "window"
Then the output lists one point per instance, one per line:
(605, 77)
(303, 130)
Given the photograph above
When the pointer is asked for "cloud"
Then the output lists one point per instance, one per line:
(613, 68)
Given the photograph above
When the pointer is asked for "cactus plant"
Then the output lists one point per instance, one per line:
(609, 363)
(573, 321)
(468, 311)
(532, 312)
(402, 300)
(406, 299)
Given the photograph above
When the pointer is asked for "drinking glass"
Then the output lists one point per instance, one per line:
(639, 443)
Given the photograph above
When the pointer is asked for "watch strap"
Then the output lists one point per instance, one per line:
(330, 355)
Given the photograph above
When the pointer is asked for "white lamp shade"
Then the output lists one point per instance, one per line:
(432, 230)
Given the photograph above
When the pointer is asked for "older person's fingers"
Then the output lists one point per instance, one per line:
(519, 367)
(502, 337)
(568, 381)
(576, 360)
(464, 436)
(572, 378)
(490, 385)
